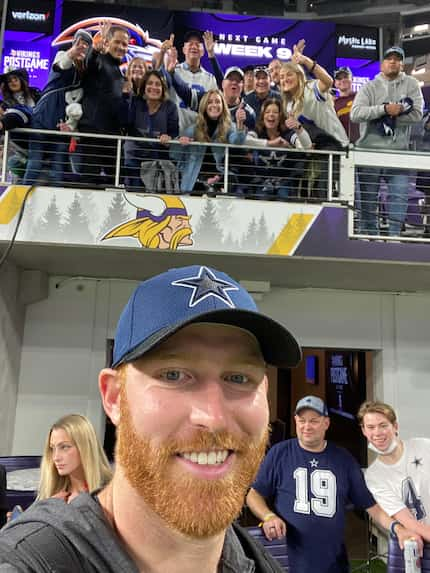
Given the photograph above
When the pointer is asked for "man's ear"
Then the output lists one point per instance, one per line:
(110, 386)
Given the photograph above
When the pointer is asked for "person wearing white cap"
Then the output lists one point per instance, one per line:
(187, 392)
(386, 108)
(312, 481)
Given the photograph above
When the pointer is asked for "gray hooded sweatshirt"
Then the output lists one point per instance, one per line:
(55, 537)
(369, 105)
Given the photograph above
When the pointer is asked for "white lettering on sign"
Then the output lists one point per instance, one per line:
(30, 16)
(251, 51)
(354, 42)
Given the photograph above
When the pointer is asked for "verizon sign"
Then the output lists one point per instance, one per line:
(29, 16)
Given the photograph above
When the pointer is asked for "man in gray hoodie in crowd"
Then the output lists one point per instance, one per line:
(386, 108)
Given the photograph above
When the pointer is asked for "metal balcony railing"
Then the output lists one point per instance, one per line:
(387, 193)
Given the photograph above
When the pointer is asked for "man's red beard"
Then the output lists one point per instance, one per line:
(194, 506)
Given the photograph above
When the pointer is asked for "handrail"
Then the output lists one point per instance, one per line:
(114, 137)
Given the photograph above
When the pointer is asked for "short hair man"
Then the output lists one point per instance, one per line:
(193, 74)
(343, 102)
(102, 84)
(386, 125)
(312, 481)
(188, 394)
(274, 67)
(248, 79)
(232, 87)
(262, 90)
(399, 478)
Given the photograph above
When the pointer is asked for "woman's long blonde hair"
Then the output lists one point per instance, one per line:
(93, 459)
(224, 120)
(293, 103)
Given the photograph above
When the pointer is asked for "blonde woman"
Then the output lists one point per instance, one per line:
(310, 100)
(204, 164)
(136, 71)
(73, 460)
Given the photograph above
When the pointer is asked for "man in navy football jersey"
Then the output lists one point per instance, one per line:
(311, 482)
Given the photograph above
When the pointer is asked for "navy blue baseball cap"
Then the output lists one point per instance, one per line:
(195, 34)
(162, 305)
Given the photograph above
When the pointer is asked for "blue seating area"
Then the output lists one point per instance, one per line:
(277, 548)
(24, 498)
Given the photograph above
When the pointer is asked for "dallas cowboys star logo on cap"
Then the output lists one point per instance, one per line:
(205, 285)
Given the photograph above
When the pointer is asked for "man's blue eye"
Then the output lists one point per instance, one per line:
(173, 375)
(238, 378)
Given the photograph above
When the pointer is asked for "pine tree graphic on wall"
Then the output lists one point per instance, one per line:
(230, 244)
(76, 225)
(90, 208)
(249, 241)
(117, 214)
(48, 227)
(263, 235)
(209, 233)
(28, 230)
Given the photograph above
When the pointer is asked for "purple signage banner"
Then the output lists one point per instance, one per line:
(362, 70)
(255, 40)
(27, 50)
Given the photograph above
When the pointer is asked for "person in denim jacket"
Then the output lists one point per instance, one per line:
(203, 164)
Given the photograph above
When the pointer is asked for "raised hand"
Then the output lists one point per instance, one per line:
(240, 115)
(168, 44)
(78, 51)
(172, 59)
(208, 39)
(298, 57)
(100, 39)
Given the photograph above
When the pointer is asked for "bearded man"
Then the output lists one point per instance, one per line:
(187, 391)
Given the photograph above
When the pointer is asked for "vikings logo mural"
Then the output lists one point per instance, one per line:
(141, 44)
(161, 222)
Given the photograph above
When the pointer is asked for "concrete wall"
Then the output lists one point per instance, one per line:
(11, 333)
(65, 337)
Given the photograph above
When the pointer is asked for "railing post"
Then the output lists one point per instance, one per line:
(330, 178)
(118, 162)
(347, 186)
(226, 162)
(5, 154)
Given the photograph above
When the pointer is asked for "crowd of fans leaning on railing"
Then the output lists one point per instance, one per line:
(179, 117)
